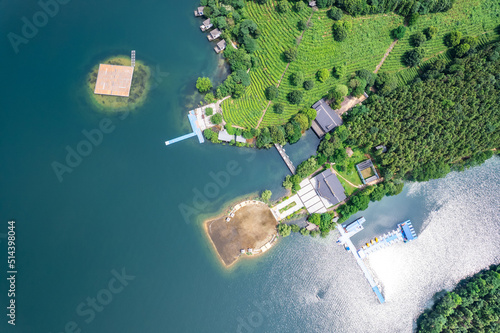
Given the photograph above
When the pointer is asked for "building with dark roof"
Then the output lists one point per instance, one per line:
(329, 187)
(326, 119)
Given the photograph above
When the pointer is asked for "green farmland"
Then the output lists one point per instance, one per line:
(363, 48)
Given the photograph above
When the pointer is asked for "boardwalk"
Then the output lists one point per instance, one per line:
(285, 158)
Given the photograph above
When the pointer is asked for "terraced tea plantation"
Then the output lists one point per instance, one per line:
(363, 48)
(478, 18)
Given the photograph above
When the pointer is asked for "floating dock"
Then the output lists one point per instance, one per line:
(194, 126)
(404, 232)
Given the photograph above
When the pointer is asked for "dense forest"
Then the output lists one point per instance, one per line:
(448, 118)
(473, 306)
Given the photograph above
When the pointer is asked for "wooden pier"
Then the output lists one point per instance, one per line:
(285, 158)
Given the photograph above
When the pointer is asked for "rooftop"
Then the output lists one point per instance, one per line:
(326, 117)
(225, 136)
(114, 80)
(329, 187)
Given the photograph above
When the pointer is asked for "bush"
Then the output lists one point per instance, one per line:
(282, 6)
(399, 32)
(294, 228)
(209, 111)
(304, 232)
(412, 20)
(323, 75)
(203, 84)
(290, 54)
(334, 13)
(271, 92)
(299, 6)
(216, 119)
(295, 96)
(278, 108)
(266, 195)
(461, 50)
(308, 85)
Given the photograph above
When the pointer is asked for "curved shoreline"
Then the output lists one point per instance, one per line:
(221, 218)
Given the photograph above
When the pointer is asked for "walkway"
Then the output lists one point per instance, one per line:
(385, 56)
(348, 182)
(285, 158)
(346, 240)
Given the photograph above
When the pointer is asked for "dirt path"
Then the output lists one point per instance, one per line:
(284, 72)
(385, 56)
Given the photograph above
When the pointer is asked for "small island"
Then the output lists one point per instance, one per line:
(119, 83)
(248, 229)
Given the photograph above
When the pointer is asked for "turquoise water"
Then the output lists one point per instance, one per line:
(118, 211)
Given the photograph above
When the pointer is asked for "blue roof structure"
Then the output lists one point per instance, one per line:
(379, 295)
(408, 232)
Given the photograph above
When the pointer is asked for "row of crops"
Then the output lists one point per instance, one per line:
(471, 17)
(247, 110)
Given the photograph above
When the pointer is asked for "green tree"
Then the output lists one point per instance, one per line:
(302, 24)
(287, 183)
(412, 20)
(418, 39)
(295, 96)
(431, 32)
(299, 6)
(297, 79)
(414, 57)
(308, 85)
(266, 195)
(284, 229)
(294, 228)
(307, 167)
(290, 54)
(339, 31)
(304, 231)
(209, 111)
(334, 13)
(282, 6)
(216, 119)
(203, 84)
(209, 98)
(302, 120)
(461, 50)
(399, 32)
(315, 219)
(453, 38)
(271, 92)
(323, 75)
(279, 108)
(340, 71)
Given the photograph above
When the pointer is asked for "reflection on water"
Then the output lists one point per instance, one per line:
(323, 289)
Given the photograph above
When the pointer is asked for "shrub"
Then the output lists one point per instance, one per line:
(339, 31)
(294, 228)
(300, 6)
(282, 6)
(284, 229)
(295, 96)
(334, 13)
(271, 92)
(216, 119)
(266, 195)
(209, 111)
(461, 50)
(304, 232)
(308, 85)
(412, 20)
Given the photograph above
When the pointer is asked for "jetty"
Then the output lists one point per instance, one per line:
(132, 58)
(404, 232)
(194, 126)
(285, 157)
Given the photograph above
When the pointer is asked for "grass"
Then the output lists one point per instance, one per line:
(367, 173)
(349, 189)
(478, 18)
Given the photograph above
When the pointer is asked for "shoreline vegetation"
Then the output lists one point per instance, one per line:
(443, 117)
(138, 90)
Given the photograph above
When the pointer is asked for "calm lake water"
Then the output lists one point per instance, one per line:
(112, 229)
